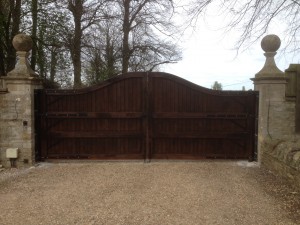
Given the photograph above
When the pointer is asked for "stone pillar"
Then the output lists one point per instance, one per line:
(17, 112)
(270, 82)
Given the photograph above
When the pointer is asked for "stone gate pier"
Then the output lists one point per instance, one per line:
(17, 107)
(279, 110)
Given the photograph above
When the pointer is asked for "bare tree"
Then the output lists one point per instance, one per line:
(139, 20)
(47, 21)
(137, 36)
(85, 14)
(76, 7)
(253, 18)
(91, 38)
(102, 58)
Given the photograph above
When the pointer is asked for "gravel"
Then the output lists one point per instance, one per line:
(160, 192)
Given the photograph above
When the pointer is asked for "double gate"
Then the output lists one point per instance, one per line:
(145, 116)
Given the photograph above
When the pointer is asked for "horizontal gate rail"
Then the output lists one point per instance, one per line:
(94, 115)
(124, 134)
(172, 115)
(203, 135)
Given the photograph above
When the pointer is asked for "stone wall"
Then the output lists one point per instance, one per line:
(283, 158)
(281, 120)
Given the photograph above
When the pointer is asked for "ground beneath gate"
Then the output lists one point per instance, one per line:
(185, 193)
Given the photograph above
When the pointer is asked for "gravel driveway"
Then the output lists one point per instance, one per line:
(166, 192)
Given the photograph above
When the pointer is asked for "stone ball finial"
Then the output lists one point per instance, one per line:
(270, 43)
(22, 43)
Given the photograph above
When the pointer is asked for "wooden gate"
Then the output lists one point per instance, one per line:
(145, 116)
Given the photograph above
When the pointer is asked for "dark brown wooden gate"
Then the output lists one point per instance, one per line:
(145, 116)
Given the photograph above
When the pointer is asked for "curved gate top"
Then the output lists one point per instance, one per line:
(145, 116)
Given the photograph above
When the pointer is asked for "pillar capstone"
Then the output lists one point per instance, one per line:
(270, 44)
(23, 44)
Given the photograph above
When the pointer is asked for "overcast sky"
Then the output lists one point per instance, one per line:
(208, 56)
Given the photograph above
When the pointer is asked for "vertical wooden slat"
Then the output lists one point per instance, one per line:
(147, 117)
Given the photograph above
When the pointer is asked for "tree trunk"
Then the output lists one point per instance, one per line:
(34, 11)
(76, 7)
(15, 10)
(41, 56)
(53, 63)
(77, 53)
(2, 39)
(126, 31)
(110, 56)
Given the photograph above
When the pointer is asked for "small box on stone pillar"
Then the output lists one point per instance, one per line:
(12, 153)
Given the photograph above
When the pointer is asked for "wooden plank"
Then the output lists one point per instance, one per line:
(226, 135)
(146, 122)
(196, 156)
(198, 115)
(80, 134)
(95, 115)
(93, 156)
